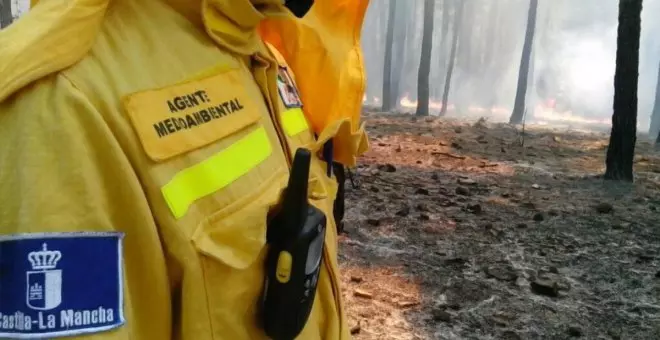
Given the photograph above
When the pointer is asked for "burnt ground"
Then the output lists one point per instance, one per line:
(459, 232)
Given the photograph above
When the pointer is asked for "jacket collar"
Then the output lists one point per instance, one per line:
(49, 26)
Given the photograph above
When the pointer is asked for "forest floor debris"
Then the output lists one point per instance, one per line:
(459, 232)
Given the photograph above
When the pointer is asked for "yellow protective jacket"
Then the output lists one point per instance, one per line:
(142, 146)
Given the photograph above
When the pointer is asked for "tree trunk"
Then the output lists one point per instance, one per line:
(425, 60)
(436, 74)
(5, 13)
(621, 150)
(655, 115)
(458, 16)
(413, 50)
(523, 72)
(387, 65)
(529, 93)
(442, 48)
(402, 19)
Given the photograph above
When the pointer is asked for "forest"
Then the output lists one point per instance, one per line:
(512, 186)
(512, 189)
(568, 65)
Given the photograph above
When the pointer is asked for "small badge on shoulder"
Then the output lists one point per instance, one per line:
(60, 284)
(287, 89)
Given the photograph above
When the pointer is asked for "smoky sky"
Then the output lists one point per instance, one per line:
(573, 57)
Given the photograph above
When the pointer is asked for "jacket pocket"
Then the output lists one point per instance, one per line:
(232, 247)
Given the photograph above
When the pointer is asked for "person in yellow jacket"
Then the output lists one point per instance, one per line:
(145, 146)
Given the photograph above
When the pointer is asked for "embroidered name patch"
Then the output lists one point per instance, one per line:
(60, 284)
(287, 89)
(175, 119)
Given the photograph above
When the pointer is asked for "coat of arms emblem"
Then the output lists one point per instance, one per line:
(44, 281)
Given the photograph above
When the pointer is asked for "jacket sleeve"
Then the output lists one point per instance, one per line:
(79, 249)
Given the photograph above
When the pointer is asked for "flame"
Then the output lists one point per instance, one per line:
(375, 101)
(543, 114)
(547, 115)
(433, 104)
(437, 105)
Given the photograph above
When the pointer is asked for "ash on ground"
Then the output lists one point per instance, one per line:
(457, 231)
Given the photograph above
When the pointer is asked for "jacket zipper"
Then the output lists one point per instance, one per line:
(263, 81)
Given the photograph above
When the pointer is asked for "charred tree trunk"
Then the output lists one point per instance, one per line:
(621, 150)
(655, 115)
(425, 60)
(442, 48)
(414, 50)
(5, 13)
(387, 65)
(519, 106)
(436, 73)
(529, 92)
(458, 16)
(399, 54)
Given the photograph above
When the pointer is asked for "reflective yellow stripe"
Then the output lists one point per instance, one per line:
(294, 121)
(216, 172)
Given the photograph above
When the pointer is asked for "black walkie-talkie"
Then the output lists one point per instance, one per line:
(295, 235)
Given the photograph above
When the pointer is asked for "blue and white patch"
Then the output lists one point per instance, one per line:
(60, 284)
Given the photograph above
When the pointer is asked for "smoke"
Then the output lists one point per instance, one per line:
(649, 61)
(585, 64)
(573, 59)
(587, 69)
(19, 7)
(572, 68)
